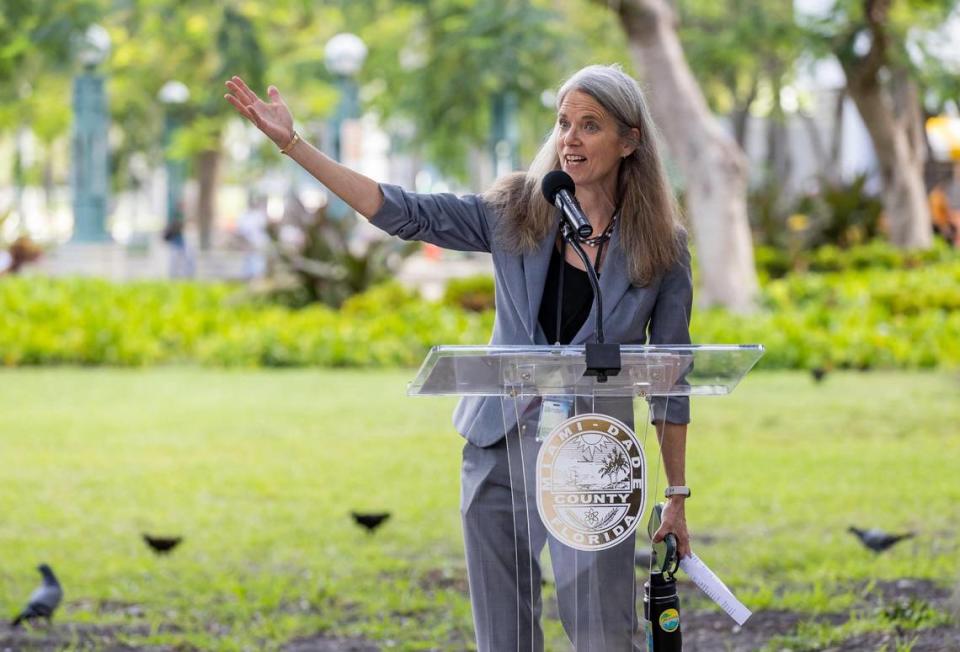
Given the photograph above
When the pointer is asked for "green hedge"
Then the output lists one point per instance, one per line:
(893, 318)
(775, 262)
(474, 293)
(81, 321)
(881, 316)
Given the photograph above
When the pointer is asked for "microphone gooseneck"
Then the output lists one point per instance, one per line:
(603, 360)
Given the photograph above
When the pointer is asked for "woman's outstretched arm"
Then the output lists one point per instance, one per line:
(274, 119)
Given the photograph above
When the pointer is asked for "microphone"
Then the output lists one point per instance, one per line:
(603, 359)
(558, 189)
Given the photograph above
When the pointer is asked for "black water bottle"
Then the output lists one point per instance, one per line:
(661, 608)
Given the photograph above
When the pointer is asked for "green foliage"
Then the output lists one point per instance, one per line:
(94, 322)
(894, 312)
(877, 254)
(195, 44)
(433, 66)
(904, 318)
(439, 66)
(474, 293)
(48, 119)
(37, 62)
(240, 53)
(327, 266)
(771, 262)
(912, 613)
(841, 213)
(722, 41)
(37, 37)
(835, 31)
(776, 262)
(838, 213)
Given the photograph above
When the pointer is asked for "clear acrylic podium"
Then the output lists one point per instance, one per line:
(580, 485)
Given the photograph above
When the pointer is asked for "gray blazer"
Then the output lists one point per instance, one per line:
(660, 309)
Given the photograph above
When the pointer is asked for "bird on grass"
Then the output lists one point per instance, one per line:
(44, 600)
(370, 521)
(818, 374)
(162, 545)
(878, 540)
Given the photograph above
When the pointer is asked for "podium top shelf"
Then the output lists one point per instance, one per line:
(654, 370)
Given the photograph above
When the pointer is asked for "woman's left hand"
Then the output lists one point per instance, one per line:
(273, 118)
(674, 520)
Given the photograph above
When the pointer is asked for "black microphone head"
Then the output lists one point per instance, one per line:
(556, 181)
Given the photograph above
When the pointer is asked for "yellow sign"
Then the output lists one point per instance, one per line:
(943, 132)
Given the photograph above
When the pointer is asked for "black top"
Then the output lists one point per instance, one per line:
(576, 302)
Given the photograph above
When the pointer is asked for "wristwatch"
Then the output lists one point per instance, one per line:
(677, 491)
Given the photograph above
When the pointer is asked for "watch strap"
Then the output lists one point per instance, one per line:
(677, 490)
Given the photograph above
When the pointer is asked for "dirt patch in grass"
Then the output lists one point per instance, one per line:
(76, 636)
(910, 612)
(709, 631)
(935, 639)
(906, 608)
(116, 638)
(323, 643)
(445, 579)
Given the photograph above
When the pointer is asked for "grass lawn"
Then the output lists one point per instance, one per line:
(258, 471)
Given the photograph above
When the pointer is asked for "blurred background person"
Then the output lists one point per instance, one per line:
(945, 207)
(251, 227)
(182, 264)
(23, 250)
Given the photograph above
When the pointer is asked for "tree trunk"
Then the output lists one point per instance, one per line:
(779, 164)
(827, 155)
(713, 166)
(48, 199)
(208, 164)
(836, 142)
(740, 116)
(891, 113)
(901, 160)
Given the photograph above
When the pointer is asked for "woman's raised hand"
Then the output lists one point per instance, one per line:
(273, 118)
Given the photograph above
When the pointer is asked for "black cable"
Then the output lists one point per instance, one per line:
(592, 275)
(563, 265)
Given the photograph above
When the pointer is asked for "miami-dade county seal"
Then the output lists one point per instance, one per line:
(591, 472)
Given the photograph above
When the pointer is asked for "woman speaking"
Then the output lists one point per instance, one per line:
(604, 139)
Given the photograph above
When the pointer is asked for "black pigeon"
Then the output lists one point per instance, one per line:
(44, 600)
(370, 521)
(878, 540)
(162, 545)
(818, 373)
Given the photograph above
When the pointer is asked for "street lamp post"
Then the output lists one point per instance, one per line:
(90, 171)
(344, 55)
(505, 137)
(173, 95)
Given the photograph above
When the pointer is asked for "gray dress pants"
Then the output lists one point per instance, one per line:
(503, 535)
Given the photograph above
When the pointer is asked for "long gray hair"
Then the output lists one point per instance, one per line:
(650, 231)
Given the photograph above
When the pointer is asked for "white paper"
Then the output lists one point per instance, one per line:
(714, 587)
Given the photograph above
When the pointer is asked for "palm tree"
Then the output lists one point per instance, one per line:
(614, 462)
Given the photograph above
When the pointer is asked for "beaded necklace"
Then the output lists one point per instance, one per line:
(596, 240)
